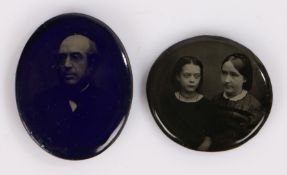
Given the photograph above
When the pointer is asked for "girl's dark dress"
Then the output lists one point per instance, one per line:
(187, 121)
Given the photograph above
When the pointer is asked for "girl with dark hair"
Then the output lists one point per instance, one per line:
(187, 110)
(240, 111)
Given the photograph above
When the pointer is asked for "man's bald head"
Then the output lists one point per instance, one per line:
(75, 61)
(79, 43)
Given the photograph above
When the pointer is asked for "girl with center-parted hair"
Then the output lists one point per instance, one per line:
(240, 111)
(187, 111)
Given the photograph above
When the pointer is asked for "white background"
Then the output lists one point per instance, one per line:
(147, 28)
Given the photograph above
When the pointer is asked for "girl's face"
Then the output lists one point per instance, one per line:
(189, 77)
(231, 79)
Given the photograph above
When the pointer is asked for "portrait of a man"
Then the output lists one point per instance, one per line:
(74, 88)
(70, 113)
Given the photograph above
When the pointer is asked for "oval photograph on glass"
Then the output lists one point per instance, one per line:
(74, 86)
(209, 93)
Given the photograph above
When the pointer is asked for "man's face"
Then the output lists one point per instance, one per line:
(73, 60)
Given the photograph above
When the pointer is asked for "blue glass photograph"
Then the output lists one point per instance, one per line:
(74, 86)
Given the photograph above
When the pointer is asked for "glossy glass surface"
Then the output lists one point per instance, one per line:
(209, 93)
(74, 86)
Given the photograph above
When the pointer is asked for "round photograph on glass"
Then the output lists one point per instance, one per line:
(209, 93)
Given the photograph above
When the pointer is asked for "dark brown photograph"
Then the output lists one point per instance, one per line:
(209, 93)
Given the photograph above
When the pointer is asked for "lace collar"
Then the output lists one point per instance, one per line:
(237, 97)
